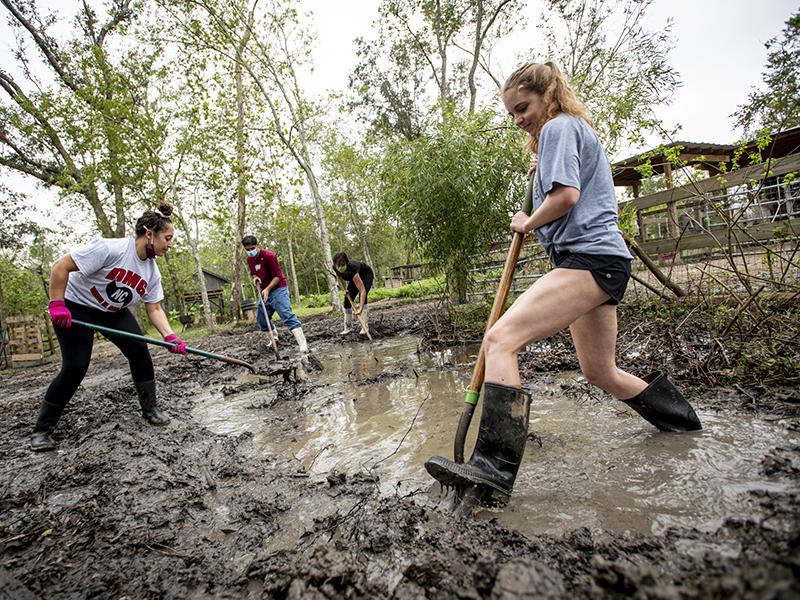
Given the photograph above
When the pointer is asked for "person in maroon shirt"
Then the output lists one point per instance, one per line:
(269, 278)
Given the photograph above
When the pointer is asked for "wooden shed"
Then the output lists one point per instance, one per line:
(215, 284)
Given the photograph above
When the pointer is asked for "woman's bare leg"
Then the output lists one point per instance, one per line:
(595, 337)
(548, 306)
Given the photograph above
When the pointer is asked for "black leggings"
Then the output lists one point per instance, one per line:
(352, 290)
(76, 350)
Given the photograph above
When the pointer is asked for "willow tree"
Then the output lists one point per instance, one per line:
(619, 68)
(424, 55)
(277, 48)
(454, 188)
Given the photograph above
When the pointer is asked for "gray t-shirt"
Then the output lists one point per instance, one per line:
(570, 154)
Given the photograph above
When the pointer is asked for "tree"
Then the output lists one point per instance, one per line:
(278, 48)
(422, 41)
(455, 189)
(778, 106)
(75, 133)
(619, 76)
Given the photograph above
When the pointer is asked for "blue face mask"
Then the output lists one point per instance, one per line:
(253, 252)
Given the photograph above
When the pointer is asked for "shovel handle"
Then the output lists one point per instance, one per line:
(498, 307)
(155, 342)
(261, 304)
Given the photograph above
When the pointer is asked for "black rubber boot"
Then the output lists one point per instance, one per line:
(500, 445)
(49, 414)
(663, 405)
(147, 400)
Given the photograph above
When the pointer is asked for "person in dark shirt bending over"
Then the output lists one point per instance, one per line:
(359, 278)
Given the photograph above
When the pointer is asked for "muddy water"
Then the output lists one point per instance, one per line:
(386, 407)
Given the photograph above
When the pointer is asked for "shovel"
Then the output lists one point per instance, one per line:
(263, 306)
(162, 343)
(474, 389)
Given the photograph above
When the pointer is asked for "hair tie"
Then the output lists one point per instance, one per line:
(159, 213)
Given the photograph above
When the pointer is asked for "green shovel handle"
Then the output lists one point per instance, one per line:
(163, 344)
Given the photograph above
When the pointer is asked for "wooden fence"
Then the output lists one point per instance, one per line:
(28, 340)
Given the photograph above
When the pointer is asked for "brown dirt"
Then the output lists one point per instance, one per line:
(128, 510)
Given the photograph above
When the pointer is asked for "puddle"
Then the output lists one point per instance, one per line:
(599, 466)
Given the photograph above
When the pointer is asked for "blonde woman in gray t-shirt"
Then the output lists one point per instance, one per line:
(575, 219)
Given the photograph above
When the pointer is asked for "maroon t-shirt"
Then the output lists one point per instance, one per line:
(264, 265)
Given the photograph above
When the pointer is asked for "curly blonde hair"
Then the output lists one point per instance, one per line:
(557, 95)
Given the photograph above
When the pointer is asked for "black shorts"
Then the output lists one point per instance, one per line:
(610, 272)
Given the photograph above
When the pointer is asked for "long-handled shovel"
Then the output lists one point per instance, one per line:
(358, 316)
(155, 342)
(474, 389)
(263, 306)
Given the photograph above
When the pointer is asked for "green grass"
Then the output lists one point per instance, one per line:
(418, 289)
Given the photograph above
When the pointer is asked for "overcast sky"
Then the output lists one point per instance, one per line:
(719, 53)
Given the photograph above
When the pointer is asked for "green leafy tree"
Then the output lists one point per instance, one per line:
(778, 105)
(76, 131)
(425, 54)
(455, 189)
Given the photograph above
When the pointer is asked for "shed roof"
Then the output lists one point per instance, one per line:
(208, 274)
(702, 155)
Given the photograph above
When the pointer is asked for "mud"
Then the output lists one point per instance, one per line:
(192, 510)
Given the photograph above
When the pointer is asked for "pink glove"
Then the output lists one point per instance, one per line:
(178, 345)
(59, 314)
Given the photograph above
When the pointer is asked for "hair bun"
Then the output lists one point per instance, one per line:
(165, 208)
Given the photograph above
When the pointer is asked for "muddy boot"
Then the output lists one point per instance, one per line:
(500, 445)
(298, 334)
(147, 400)
(364, 320)
(663, 405)
(49, 414)
(348, 321)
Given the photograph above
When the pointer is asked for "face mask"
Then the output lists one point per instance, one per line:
(342, 269)
(253, 252)
(149, 250)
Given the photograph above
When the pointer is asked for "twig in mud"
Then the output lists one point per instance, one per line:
(741, 389)
(166, 550)
(410, 427)
(326, 447)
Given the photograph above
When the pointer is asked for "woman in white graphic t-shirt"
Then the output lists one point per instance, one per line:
(97, 283)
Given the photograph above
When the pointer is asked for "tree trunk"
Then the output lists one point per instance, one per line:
(359, 227)
(324, 240)
(292, 271)
(241, 178)
(198, 265)
(3, 335)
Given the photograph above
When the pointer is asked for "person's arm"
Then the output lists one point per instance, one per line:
(556, 204)
(272, 284)
(159, 320)
(59, 275)
(59, 313)
(362, 292)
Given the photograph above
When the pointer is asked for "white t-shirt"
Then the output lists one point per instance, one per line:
(111, 276)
